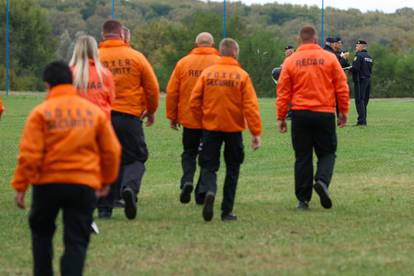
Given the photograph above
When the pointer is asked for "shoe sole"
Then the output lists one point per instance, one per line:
(130, 209)
(326, 201)
(185, 196)
(208, 208)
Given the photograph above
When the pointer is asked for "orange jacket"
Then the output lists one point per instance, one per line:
(224, 99)
(101, 94)
(182, 82)
(312, 79)
(136, 86)
(67, 139)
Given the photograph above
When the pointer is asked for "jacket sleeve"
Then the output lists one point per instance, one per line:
(109, 150)
(31, 153)
(341, 88)
(284, 93)
(251, 108)
(150, 85)
(196, 99)
(173, 89)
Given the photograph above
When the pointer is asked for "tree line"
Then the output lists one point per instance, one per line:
(164, 30)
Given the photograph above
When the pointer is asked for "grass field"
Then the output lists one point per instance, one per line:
(370, 230)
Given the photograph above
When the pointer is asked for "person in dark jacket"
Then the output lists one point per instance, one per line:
(361, 75)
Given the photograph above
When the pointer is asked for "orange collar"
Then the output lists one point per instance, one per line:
(204, 51)
(112, 43)
(61, 89)
(228, 61)
(310, 46)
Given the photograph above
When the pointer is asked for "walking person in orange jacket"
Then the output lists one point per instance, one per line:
(92, 80)
(224, 100)
(182, 82)
(137, 97)
(70, 154)
(312, 79)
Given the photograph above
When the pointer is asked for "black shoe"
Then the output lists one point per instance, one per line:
(302, 205)
(199, 198)
(104, 213)
(228, 217)
(208, 210)
(323, 193)
(130, 199)
(185, 196)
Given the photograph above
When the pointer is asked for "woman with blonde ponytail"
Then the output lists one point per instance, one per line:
(92, 80)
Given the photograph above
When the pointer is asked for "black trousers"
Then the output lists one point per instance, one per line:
(130, 133)
(191, 144)
(77, 203)
(210, 163)
(362, 92)
(313, 131)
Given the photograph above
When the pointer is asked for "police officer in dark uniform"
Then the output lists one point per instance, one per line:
(361, 75)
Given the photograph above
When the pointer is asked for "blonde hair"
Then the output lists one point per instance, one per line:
(86, 48)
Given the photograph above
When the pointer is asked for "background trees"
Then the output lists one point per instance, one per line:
(164, 30)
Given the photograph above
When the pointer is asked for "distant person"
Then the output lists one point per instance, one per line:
(342, 56)
(91, 79)
(289, 50)
(70, 154)
(1, 107)
(329, 42)
(361, 75)
(137, 96)
(182, 82)
(225, 101)
(311, 79)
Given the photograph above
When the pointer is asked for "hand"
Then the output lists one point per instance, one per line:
(174, 125)
(150, 118)
(20, 200)
(103, 192)
(342, 120)
(282, 126)
(256, 142)
(345, 55)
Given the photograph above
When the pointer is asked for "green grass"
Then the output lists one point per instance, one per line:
(370, 230)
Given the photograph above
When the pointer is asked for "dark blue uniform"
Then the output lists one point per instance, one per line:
(361, 75)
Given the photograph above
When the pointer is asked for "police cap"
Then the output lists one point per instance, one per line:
(337, 39)
(289, 47)
(330, 40)
(362, 42)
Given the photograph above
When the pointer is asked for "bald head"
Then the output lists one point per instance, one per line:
(204, 40)
(229, 48)
(307, 35)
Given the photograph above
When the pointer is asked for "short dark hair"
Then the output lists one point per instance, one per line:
(112, 27)
(57, 72)
(307, 34)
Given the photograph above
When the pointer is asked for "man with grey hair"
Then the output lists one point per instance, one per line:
(182, 82)
(223, 100)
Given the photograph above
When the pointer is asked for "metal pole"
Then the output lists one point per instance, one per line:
(7, 46)
(323, 24)
(224, 19)
(113, 9)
